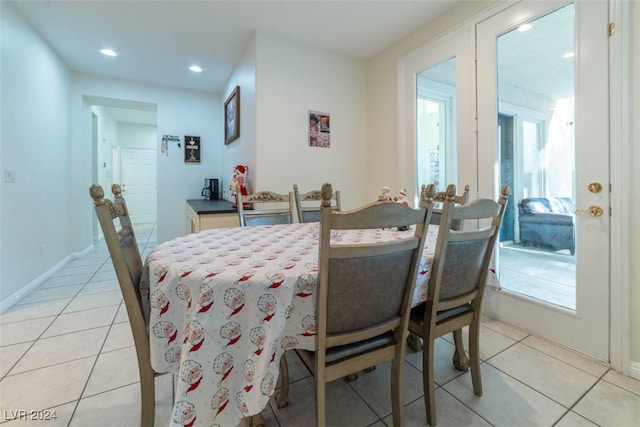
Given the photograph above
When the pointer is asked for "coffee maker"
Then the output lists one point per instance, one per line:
(211, 189)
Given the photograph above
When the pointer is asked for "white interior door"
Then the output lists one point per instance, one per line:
(138, 179)
(559, 146)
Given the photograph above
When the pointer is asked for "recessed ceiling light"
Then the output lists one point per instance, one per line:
(524, 27)
(108, 52)
(195, 69)
(568, 55)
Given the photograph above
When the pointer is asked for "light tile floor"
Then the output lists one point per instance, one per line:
(66, 348)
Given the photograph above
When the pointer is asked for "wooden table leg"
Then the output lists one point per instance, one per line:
(460, 359)
(256, 421)
(414, 342)
(282, 396)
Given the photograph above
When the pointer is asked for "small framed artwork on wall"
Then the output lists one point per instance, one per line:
(191, 149)
(232, 116)
(319, 129)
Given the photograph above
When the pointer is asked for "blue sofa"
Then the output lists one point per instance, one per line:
(548, 222)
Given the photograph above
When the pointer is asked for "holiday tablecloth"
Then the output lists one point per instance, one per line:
(224, 304)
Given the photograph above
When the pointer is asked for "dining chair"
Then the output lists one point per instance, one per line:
(456, 284)
(125, 256)
(364, 295)
(308, 204)
(439, 197)
(275, 208)
(414, 342)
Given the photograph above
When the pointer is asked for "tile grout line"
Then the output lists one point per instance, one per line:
(48, 326)
(106, 336)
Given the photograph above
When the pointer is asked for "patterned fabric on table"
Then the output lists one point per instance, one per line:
(225, 304)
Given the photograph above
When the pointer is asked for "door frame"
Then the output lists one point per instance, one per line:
(621, 136)
(621, 140)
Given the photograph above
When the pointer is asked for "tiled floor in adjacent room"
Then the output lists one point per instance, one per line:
(66, 347)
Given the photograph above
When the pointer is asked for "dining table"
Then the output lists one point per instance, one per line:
(223, 305)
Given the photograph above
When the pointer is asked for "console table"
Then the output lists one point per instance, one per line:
(208, 214)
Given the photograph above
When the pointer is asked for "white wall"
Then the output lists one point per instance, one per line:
(291, 80)
(34, 133)
(132, 135)
(241, 151)
(280, 81)
(180, 113)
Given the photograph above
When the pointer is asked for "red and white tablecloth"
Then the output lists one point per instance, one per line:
(226, 303)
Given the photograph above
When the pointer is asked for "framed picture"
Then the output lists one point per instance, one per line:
(191, 149)
(232, 116)
(319, 129)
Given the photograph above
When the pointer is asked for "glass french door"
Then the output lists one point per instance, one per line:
(543, 130)
(522, 99)
(435, 113)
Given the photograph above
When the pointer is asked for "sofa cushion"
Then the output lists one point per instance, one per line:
(557, 219)
(536, 206)
(559, 205)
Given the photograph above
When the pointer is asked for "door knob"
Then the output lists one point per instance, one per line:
(591, 210)
(595, 187)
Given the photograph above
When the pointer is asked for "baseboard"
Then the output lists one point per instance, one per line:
(17, 296)
(634, 370)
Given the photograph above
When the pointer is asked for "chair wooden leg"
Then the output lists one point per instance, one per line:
(320, 401)
(474, 356)
(148, 395)
(460, 360)
(397, 407)
(427, 380)
(282, 396)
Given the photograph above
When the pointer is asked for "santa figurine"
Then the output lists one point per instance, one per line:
(238, 183)
(402, 197)
(385, 195)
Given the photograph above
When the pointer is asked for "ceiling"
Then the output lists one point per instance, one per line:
(157, 40)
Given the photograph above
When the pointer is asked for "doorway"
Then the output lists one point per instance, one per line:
(558, 154)
(138, 178)
(518, 143)
(118, 126)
